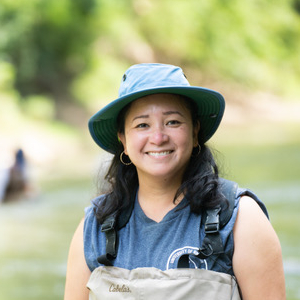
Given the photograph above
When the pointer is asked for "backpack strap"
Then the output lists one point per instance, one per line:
(111, 234)
(229, 190)
(214, 219)
(217, 218)
(110, 227)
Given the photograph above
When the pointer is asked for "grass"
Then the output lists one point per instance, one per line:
(272, 170)
(35, 237)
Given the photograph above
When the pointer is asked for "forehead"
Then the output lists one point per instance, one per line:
(159, 102)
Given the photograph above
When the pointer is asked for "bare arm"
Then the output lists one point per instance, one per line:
(78, 272)
(257, 259)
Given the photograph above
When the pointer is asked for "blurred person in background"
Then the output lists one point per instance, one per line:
(14, 178)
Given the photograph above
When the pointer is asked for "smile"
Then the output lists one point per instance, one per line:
(162, 153)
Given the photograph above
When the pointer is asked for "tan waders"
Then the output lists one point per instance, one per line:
(153, 284)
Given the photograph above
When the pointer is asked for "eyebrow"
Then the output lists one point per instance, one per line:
(167, 113)
(140, 117)
(173, 112)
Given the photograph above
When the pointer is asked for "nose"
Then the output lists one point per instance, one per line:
(158, 136)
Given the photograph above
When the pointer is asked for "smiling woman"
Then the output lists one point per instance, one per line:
(166, 197)
(159, 138)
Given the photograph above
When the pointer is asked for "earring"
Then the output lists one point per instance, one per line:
(198, 151)
(122, 161)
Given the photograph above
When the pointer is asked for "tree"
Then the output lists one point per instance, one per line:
(48, 42)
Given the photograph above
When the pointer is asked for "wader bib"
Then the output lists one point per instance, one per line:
(111, 283)
(182, 283)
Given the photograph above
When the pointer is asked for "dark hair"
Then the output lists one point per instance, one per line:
(200, 183)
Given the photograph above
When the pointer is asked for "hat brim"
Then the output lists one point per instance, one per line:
(103, 125)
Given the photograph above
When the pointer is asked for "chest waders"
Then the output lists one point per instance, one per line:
(183, 283)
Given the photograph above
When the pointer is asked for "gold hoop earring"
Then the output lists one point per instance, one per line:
(122, 161)
(198, 151)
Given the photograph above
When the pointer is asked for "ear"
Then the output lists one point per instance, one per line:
(196, 130)
(122, 139)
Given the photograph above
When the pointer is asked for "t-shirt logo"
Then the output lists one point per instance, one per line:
(194, 262)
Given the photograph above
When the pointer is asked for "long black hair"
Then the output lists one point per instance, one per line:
(199, 185)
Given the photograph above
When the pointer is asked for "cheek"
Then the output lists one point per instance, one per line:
(134, 143)
(186, 138)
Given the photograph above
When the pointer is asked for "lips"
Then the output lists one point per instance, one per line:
(160, 153)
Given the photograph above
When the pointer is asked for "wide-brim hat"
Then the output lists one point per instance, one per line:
(147, 79)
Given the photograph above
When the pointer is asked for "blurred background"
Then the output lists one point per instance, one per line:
(61, 61)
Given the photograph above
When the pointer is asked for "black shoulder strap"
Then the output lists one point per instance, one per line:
(110, 227)
(229, 190)
(214, 219)
(217, 218)
(111, 234)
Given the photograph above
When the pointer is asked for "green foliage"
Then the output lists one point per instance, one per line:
(57, 45)
(252, 42)
(39, 107)
(46, 41)
(9, 97)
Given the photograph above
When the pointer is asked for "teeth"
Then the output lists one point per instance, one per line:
(159, 153)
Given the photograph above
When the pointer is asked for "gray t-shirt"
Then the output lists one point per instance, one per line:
(146, 243)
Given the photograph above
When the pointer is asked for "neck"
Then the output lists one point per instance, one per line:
(156, 197)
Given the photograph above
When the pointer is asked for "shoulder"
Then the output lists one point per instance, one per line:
(248, 207)
(93, 238)
(257, 260)
(90, 211)
(252, 223)
(78, 272)
(91, 225)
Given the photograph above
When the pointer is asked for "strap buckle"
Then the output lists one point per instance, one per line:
(108, 224)
(212, 224)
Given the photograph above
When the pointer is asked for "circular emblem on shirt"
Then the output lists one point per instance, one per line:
(194, 262)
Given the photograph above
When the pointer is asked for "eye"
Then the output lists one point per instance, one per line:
(142, 125)
(173, 122)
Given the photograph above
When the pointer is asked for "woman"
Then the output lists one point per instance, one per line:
(162, 169)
